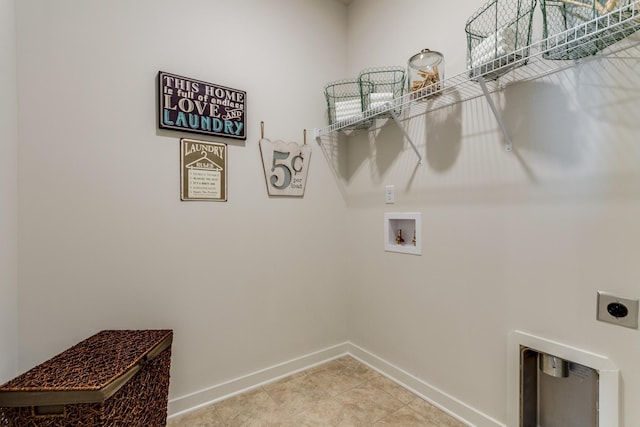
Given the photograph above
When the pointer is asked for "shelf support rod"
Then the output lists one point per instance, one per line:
(508, 146)
(406, 135)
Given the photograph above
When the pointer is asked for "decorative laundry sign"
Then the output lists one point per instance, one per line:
(203, 170)
(285, 167)
(195, 106)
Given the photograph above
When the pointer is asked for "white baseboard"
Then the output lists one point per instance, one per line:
(198, 399)
(436, 397)
(447, 403)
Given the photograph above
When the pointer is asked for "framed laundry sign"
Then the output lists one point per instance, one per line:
(203, 170)
(191, 105)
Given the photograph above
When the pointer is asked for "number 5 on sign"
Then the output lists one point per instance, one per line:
(285, 167)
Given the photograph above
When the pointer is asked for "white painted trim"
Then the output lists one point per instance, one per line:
(438, 398)
(218, 392)
(433, 395)
(609, 374)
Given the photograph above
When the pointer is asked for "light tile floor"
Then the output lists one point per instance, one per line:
(342, 392)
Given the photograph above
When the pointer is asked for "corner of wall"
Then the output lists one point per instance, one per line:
(8, 193)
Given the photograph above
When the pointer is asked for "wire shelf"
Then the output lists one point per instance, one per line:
(590, 15)
(462, 87)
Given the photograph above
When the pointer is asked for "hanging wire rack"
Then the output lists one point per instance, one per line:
(462, 87)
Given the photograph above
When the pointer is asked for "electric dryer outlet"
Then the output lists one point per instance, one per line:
(617, 310)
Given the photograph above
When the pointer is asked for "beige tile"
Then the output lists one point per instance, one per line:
(405, 417)
(205, 417)
(285, 386)
(357, 414)
(347, 360)
(383, 383)
(340, 393)
(348, 366)
(359, 370)
(325, 413)
(356, 418)
(435, 415)
(271, 419)
(296, 395)
(250, 404)
(331, 382)
(371, 397)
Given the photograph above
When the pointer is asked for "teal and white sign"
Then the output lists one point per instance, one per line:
(190, 105)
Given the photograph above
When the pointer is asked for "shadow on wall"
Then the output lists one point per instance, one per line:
(334, 148)
(607, 88)
(378, 147)
(388, 143)
(439, 131)
(541, 124)
(443, 133)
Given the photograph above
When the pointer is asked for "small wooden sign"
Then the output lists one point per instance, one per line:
(285, 167)
(192, 105)
(203, 170)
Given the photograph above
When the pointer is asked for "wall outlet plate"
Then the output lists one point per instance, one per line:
(390, 194)
(617, 310)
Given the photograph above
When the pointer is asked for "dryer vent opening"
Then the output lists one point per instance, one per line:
(555, 392)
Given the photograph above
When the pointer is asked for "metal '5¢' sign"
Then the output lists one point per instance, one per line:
(285, 167)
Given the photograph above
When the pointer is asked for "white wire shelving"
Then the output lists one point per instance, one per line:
(527, 63)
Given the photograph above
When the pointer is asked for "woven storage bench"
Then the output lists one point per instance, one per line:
(574, 29)
(498, 37)
(112, 379)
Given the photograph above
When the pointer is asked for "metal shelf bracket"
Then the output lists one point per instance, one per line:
(508, 146)
(406, 135)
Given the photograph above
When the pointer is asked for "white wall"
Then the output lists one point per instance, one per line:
(8, 195)
(518, 240)
(105, 241)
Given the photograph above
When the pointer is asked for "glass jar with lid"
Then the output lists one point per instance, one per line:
(425, 73)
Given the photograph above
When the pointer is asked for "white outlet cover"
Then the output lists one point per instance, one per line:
(390, 194)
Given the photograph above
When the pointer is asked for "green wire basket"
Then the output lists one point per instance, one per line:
(386, 85)
(346, 103)
(575, 29)
(498, 37)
